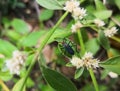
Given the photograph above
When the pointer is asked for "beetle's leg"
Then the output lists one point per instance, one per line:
(64, 40)
(61, 49)
(60, 46)
(75, 46)
(69, 42)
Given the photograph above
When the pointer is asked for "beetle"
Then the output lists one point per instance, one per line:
(67, 47)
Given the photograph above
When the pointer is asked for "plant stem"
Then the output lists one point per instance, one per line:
(95, 29)
(116, 39)
(4, 86)
(83, 51)
(93, 79)
(81, 42)
(39, 50)
(113, 37)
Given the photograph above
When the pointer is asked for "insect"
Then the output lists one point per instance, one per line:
(67, 47)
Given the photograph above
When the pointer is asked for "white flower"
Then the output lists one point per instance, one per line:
(16, 63)
(99, 22)
(87, 61)
(95, 63)
(76, 26)
(73, 7)
(77, 62)
(78, 13)
(110, 32)
(70, 5)
(19, 55)
(88, 55)
(113, 75)
(13, 66)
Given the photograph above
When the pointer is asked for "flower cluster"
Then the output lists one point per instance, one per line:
(77, 62)
(76, 26)
(86, 61)
(99, 22)
(16, 63)
(110, 32)
(78, 13)
(73, 7)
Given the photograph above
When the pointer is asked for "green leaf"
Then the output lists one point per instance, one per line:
(5, 76)
(99, 5)
(104, 14)
(90, 8)
(89, 18)
(30, 83)
(69, 24)
(6, 48)
(62, 2)
(103, 40)
(46, 88)
(50, 4)
(112, 64)
(117, 2)
(116, 18)
(46, 14)
(18, 85)
(59, 33)
(1, 60)
(69, 64)
(84, 34)
(92, 45)
(20, 26)
(104, 74)
(58, 81)
(32, 38)
(6, 22)
(114, 52)
(13, 35)
(90, 87)
(78, 72)
(29, 59)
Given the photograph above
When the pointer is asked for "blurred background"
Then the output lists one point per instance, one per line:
(23, 22)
